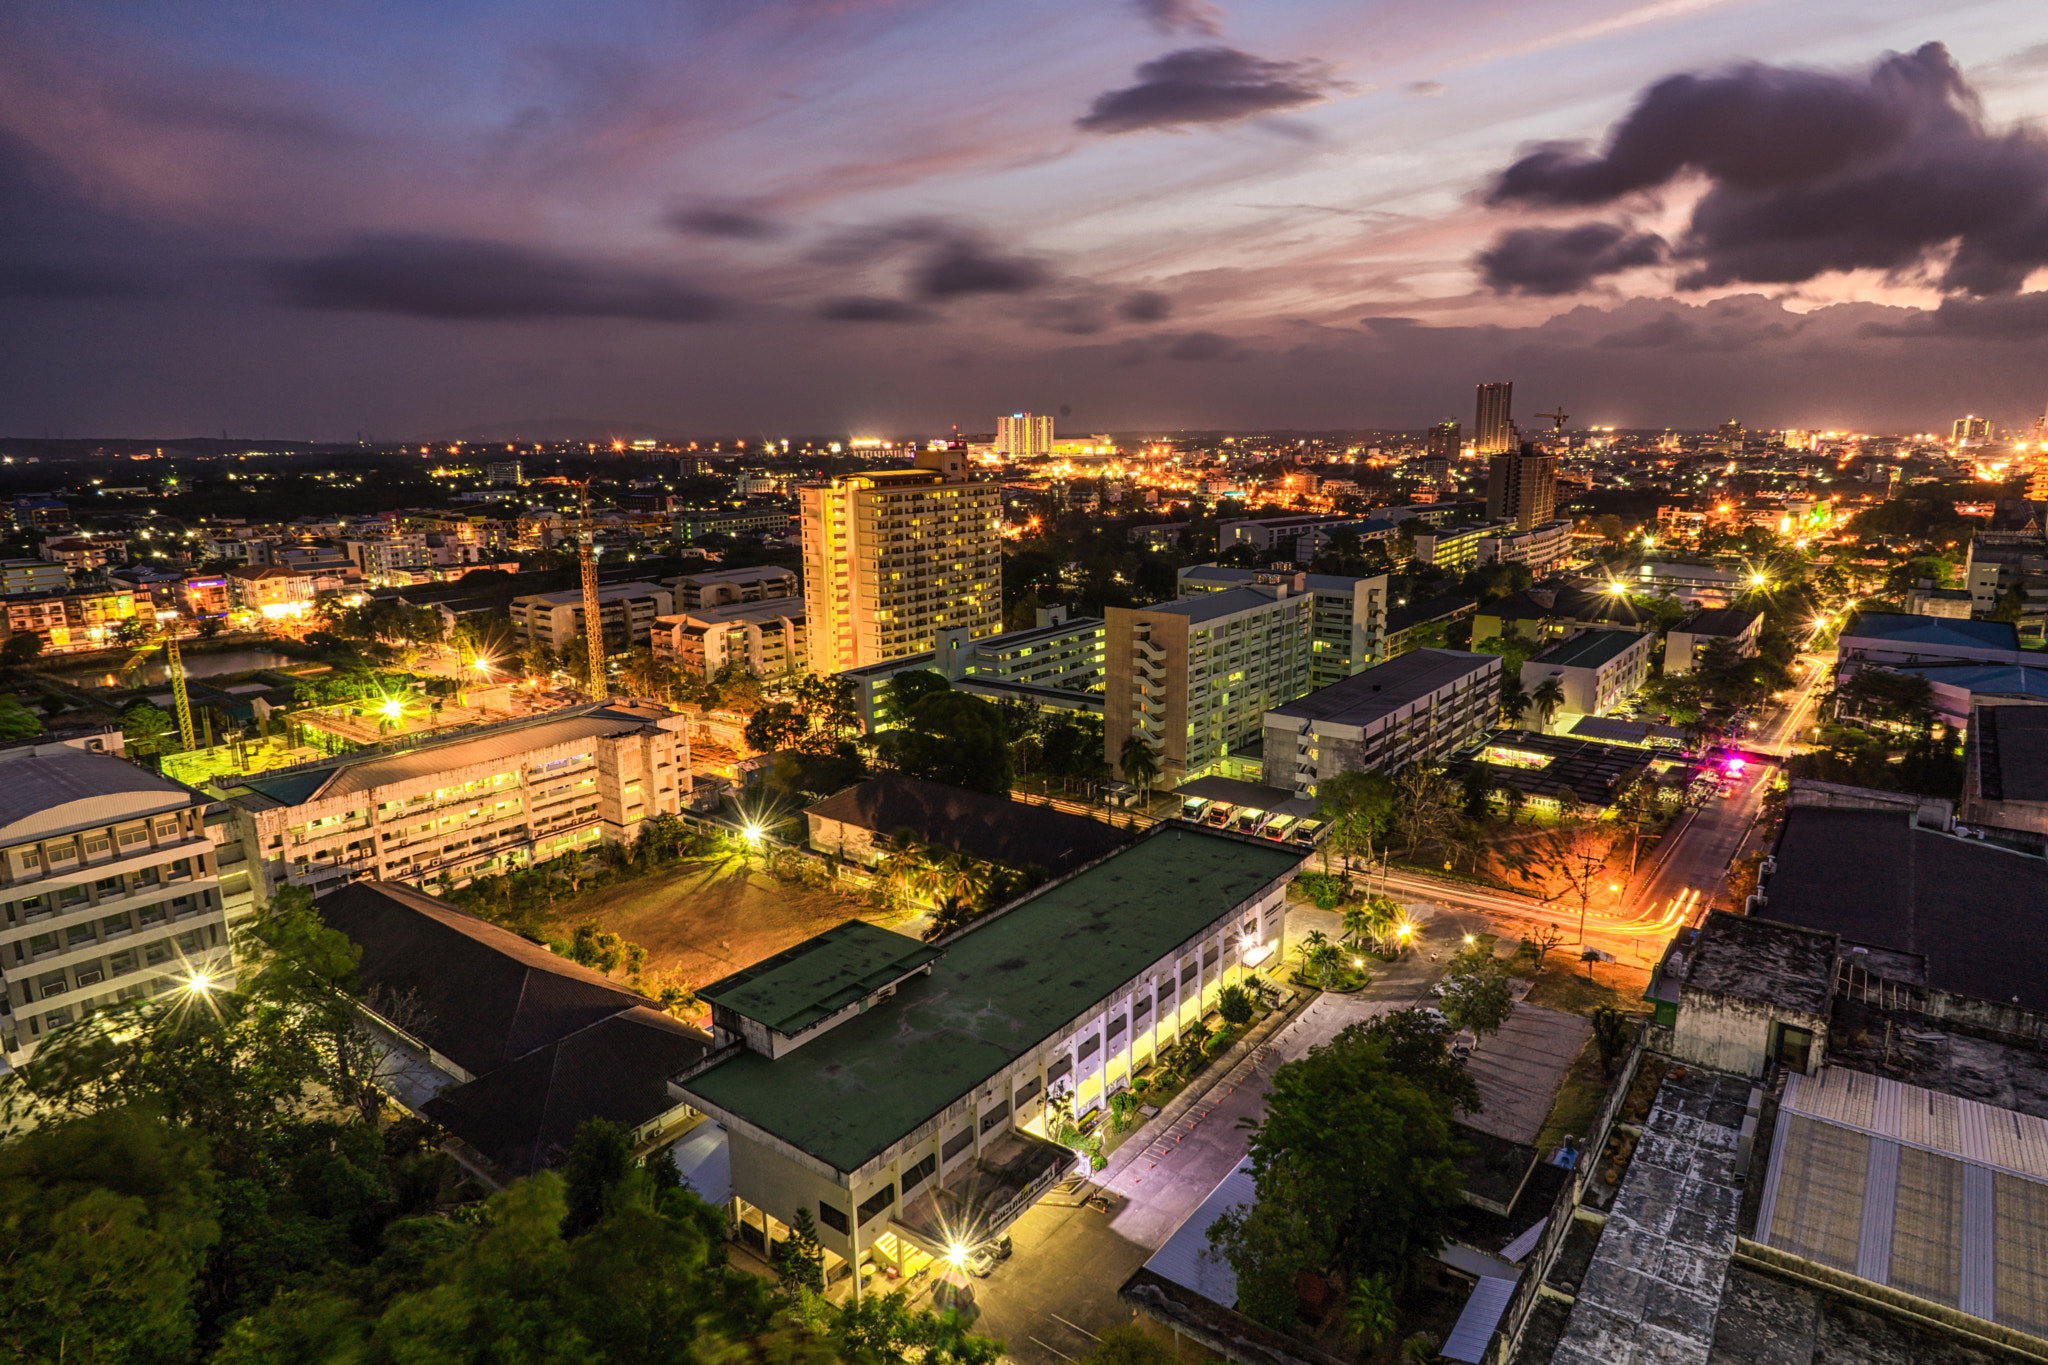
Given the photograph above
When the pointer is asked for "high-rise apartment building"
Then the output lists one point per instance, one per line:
(1731, 437)
(893, 557)
(1443, 440)
(1350, 626)
(1022, 435)
(1493, 426)
(1195, 678)
(1521, 486)
(1970, 431)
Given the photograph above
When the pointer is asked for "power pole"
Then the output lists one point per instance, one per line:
(593, 620)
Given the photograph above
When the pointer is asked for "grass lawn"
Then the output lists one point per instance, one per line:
(1578, 1100)
(1562, 985)
(707, 919)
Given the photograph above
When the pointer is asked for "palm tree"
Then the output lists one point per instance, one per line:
(1369, 1311)
(958, 877)
(904, 862)
(1549, 697)
(1514, 702)
(1139, 765)
(1358, 921)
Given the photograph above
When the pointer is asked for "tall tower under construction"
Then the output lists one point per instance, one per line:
(1493, 425)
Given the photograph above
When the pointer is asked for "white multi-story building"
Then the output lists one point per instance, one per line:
(1195, 678)
(108, 886)
(390, 559)
(554, 619)
(1423, 706)
(1023, 435)
(479, 802)
(765, 638)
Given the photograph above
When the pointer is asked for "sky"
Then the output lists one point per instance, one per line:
(769, 217)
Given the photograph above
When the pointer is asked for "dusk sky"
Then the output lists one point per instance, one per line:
(436, 219)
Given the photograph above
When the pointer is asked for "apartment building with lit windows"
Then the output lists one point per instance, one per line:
(1194, 678)
(893, 557)
(67, 621)
(1350, 627)
(476, 803)
(1419, 708)
(108, 886)
(765, 638)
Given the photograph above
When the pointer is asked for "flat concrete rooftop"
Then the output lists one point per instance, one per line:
(1004, 986)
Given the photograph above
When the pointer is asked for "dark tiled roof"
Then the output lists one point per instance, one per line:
(492, 995)
(2012, 752)
(1763, 960)
(524, 1115)
(1978, 913)
(994, 829)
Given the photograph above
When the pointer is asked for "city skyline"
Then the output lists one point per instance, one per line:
(1150, 216)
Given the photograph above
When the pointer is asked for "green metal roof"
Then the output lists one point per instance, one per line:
(1589, 650)
(820, 976)
(1001, 989)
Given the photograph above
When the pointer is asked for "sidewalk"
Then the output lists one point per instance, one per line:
(1231, 1068)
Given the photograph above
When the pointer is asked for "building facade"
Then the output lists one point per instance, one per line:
(722, 587)
(1493, 426)
(1194, 678)
(1419, 708)
(110, 890)
(1597, 669)
(1349, 632)
(1541, 547)
(946, 1141)
(892, 558)
(1023, 436)
(1686, 643)
(1521, 487)
(67, 622)
(628, 612)
(479, 802)
(765, 638)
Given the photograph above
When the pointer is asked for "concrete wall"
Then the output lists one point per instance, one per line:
(1725, 1033)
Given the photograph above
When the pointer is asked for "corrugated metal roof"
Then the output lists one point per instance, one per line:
(1482, 1314)
(1186, 1259)
(40, 783)
(347, 777)
(704, 1159)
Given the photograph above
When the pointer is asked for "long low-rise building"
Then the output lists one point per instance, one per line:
(555, 619)
(1686, 644)
(1423, 706)
(1893, 640)
(898, 1093)
(474, 803)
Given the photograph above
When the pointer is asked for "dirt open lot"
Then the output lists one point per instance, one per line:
(708, 920)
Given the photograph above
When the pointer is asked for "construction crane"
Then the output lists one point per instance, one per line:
(593, 619)
(1558, 418)
(168, 642)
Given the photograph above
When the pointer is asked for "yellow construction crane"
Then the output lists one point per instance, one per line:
(168, 642)
(593, 619)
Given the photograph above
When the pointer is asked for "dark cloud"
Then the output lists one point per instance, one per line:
(1548, 261)
(1810, 172)
(1201, 346)
(53, 280)
(1206, 85)
(1145, 305)
(462, 278)
(1182, 16)
(965, 265)
(1428, 88)
(2023, 317)
(1658, 333)
(1073, 316)
(868, 308)
(732, 224)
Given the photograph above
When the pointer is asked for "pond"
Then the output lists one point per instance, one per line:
(156, 673)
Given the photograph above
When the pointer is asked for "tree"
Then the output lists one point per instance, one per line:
(777, 726)
(1369, 1311)
(1613, 1031)
(20, 649)
(1575, 855)
(1514, 701)
(954, 738)
(1427, 804)
(1417, 1045)
(145, 726)
(800, 1259)
(593, 946)
(1549, 698)
(1540, 944)
(1234, 1003)
(1361, 807)
(1138, 764)
(901, 694)
(1477, 790)
(1129, 1344)
(110, 1219)
(600, 1156)
(1356, 1169)
(1476, 994)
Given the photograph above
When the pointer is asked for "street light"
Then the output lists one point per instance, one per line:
(199, 983)
(956, 1255)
